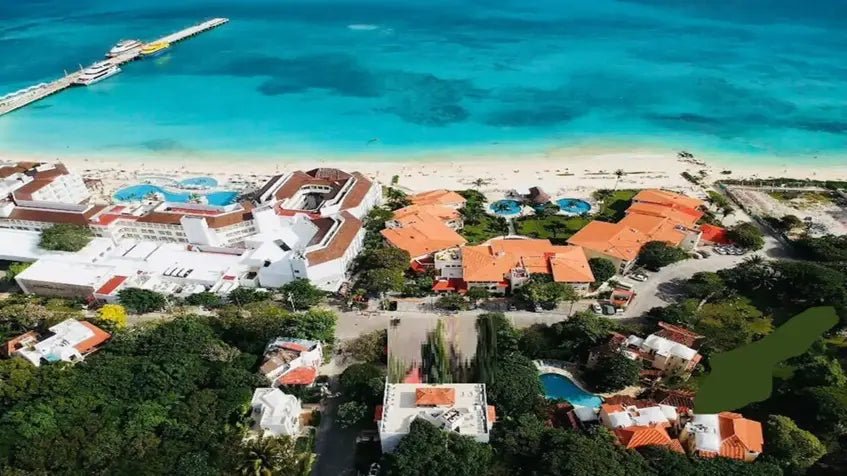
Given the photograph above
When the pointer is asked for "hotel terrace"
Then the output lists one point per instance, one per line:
(461, 408)
(298, 225)
(655, 215)
(506, 263)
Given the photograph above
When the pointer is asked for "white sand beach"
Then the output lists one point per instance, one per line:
(561, 172)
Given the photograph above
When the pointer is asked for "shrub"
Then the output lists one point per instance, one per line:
(65, 237)
(113, 313)
(142, 300)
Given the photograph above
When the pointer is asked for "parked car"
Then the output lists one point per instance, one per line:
(640, 277)
(595, 306)
(704, 253)
(609, 310)
(720, 250)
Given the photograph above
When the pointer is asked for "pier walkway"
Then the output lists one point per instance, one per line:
(14, 101)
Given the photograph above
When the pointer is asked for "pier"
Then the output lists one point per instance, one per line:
(16, 100)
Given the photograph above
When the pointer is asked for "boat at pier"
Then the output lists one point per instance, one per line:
(97, 72)
(124, 46)
(154, 49)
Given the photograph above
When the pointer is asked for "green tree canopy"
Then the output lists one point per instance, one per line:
(142, 301)
(746, 235)
(14, 270)
(386, 258)
(301, 294)
(680, 313)
(382, 280)
(429, 451)
(603, 269)
(205, 299)
(452, 302)
(363, 383)
(705, 285)
(242, 296)
(267, 455)
(794, 448)
(542, 290)
(65, 237)
(730, 324)
(370, 347)
(351, 414)
(655, 255)
(613, 372)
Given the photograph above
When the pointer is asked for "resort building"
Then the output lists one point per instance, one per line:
(654, 215)
(275, 413)
(299, 225)
(668, 352)
(69, 341)
(501, 264)
(444, 198)
(461, 408)
(724, 434)
(423, 231)
(641, 423)
(290, 361)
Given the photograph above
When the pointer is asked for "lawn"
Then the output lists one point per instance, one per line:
(802, 199)
(556, 228)
(614, 204)
(488, 227)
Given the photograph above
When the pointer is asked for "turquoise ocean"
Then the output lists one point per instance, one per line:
(762, 78)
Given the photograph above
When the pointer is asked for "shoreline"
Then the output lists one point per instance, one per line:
(573, 171)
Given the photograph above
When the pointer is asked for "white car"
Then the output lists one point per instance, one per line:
(595, 306)
(639, 277)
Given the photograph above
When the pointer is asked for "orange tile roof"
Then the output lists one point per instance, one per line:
(438, 396)
(611, 407)
(683, 216)
(655, 228)
(426, 235)
(339, 243)
(413, 213)
(17, 342)
(667, 198)
(739, 435)
(438, 197)
(612, 239)
(494, 260)
(299, 376)
(569, 265)
(492, 413)
(100, 336)
(636, 436)
(713, 234)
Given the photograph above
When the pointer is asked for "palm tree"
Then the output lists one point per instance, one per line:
(480, 182)
(271, 456)
(754, 260)
(618, 174)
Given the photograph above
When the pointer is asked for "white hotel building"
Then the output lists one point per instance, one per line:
(298, 225)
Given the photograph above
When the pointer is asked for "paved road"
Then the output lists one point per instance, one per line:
(663, 286)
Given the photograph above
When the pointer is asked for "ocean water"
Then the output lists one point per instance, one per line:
(764, 78)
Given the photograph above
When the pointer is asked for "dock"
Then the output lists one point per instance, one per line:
(24, 97)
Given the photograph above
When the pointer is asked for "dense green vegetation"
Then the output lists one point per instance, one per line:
(655, 255)
(543, 291)
(65, 237)
(614, 203)
(167, 399)
(142, 301)
(603, 270)
(613, 373)
(479, 225)
(429, 451)
(746, 235)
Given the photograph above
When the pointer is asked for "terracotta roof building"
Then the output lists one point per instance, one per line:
(421, 235)
(724, 434)
(501, 263)
(654, 215)
(461, 408)
(446, 198)
(290, 361)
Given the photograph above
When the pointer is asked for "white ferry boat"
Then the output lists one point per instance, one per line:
(97, 72)
(124, 46)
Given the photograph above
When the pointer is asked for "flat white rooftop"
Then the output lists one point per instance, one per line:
(462, 408)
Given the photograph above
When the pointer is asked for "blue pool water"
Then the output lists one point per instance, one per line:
(506, 207)
(561, 387)
(764, 78)
(573, 206)
(200, 182)
(140, 191)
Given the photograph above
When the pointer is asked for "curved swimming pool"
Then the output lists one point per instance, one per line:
(199, 182)
(142, 191)
(560, 387)
(573, 206)
(506, 207)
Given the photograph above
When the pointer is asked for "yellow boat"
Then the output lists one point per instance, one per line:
(152, 49)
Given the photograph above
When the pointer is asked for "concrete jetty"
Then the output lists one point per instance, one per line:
(24, 97)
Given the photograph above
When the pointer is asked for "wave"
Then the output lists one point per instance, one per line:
(363, 27)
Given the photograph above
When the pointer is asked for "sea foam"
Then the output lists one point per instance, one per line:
(363, 27)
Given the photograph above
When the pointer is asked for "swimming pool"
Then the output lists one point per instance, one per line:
(506, 207)
(560, 387)
(573, 206)
(141, 191)
(199, 182)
